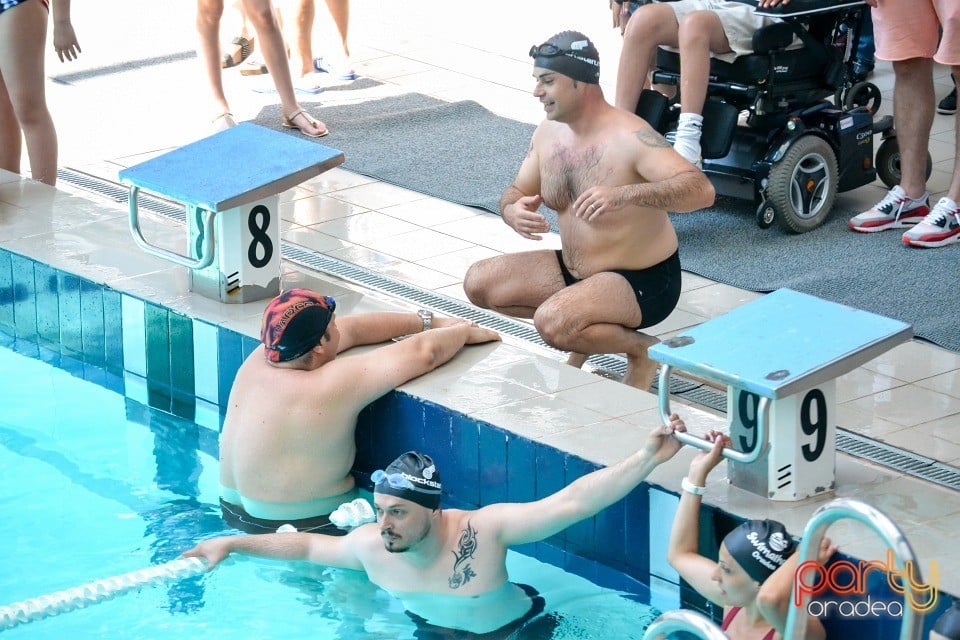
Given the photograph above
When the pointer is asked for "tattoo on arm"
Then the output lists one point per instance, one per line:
(651, 138)
(462, 571)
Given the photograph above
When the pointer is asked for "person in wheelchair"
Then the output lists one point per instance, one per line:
(699, 29)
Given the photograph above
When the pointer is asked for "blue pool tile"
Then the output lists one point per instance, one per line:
(492, 445)
(609, 534)
(92, 322)
(521, 470)
(24, 298)
(134, 335)
(112, 331)
(229, 359)
(181, 354)
(465, 436)
(435, 430)
(71, 323)
(48, 305)
(550, 554)
(205, 360)
(613, 579)
(157, 322)
(583, 567)
(636, 532)
(247, 345)
(7, 294)
(665, 506)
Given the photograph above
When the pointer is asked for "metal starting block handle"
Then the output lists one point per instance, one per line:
(205, 259)
(763, 415)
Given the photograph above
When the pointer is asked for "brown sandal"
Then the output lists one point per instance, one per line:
(288, 123)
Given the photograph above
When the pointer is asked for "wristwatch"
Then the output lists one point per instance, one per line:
(426, 316)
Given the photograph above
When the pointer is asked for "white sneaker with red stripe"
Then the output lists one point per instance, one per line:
(940, 228)
(895, 211)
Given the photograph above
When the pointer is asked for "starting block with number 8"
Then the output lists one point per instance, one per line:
(230, 184)
(779, 357)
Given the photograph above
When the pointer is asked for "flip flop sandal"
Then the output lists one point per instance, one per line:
(243, 51)
(288, 123)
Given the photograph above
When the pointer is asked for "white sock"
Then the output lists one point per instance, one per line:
(687, 142)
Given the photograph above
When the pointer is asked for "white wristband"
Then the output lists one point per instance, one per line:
(689, 487)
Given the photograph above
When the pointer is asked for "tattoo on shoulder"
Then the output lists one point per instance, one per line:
(467, 545)
(652, 138)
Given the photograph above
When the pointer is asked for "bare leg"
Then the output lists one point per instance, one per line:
(913, 105)
(577, 359)
(514, 284)
(596, 316)
(302, 62)
(271, 44)
(650, 25)
(340, 12)
(699, 34)
(209, 13)
(23, 33)
(10, 136)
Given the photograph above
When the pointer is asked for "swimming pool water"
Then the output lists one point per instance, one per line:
(96, 484)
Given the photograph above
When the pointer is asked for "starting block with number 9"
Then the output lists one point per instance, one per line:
(779, 357)
(230, 184)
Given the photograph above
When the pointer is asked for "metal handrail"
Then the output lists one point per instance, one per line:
(683, 620)
(743, 457)
(845, 508)
(205, 259)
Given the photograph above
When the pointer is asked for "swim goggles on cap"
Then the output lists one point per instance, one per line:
(395, 480)
(547, 50)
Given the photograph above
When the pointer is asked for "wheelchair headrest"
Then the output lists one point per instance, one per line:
(772, 37)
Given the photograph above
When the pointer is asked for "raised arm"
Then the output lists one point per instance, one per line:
(530, 522)
(683, 552)
(774, 598)
(333, 551)
(369, 375)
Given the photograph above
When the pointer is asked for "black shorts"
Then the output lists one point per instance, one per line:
(238, 518)
(657, 288)
(533, 627)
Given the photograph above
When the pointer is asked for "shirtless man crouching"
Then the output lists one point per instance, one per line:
(611, 178)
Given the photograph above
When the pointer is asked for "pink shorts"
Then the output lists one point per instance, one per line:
(907, 29)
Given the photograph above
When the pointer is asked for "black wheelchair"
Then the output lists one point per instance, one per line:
(788, 127)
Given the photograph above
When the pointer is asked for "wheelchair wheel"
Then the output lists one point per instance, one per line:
(862, 94)
(888, 162)
(803, 185)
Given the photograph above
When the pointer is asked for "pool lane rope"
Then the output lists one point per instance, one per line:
(97, 591)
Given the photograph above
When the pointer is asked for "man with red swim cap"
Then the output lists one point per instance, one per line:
(287, 444)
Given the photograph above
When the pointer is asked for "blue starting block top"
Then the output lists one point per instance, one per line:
(781, 344)
(233, 167)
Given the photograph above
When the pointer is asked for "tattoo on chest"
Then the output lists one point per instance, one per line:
(462, 571)
(569, 172)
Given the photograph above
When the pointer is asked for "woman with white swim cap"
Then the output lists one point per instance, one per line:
(753, 577)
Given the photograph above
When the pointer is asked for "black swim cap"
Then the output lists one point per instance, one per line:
(413, 477)
(570, 53)
(760, 547)
(948, 624)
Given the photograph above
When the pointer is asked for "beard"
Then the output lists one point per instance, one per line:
(400, 544)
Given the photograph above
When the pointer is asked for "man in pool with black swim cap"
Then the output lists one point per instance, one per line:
(445, 564)
(611, 178)
(287, 444)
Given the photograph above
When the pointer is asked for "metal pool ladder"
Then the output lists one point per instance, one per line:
(911, 625)
(684, 620)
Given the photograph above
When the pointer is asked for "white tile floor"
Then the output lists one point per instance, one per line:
(909, 397)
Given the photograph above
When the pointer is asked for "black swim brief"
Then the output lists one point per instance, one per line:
(657, 288)
(237, 517)
(534, 626)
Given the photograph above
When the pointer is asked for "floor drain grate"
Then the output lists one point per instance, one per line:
(608, 365)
